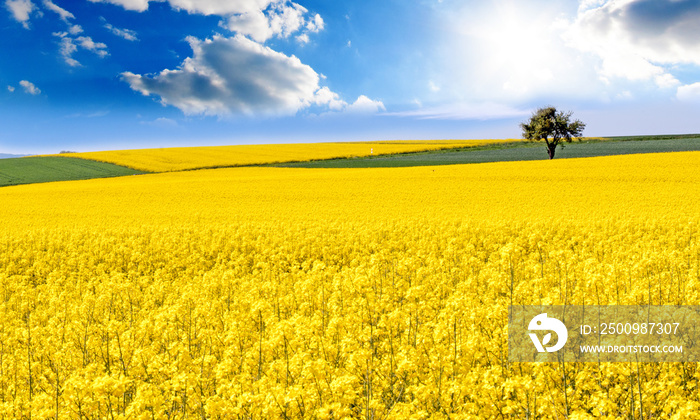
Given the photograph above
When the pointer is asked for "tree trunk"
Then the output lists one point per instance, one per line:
(551, 148)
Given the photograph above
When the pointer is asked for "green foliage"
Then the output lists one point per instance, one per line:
(516, 151)
(29, 170)
(553, 127)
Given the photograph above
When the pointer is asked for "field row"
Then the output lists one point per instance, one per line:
(184, 158)
(347, 320)
(34, 169)
(634, 187)
(509, 153)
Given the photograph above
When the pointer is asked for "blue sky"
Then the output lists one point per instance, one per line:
(109, 74)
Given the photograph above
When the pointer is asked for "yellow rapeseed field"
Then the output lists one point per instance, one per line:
(183, 158)
(278, 293)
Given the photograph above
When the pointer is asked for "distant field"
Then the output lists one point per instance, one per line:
(185, 158)
(511, 152)
(76, 166)
(30, 170)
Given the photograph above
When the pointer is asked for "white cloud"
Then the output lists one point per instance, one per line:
(280, 19)
(87, 43)
(689, 93)
(475, 111)
(666, 81)
(326, 97)
(232, 76)
(303, 38)
(69, 41)
(127, 34)
(162, 123)
(366, 105)
(316, 24)
(518, 52)
(362, 105)
(70, 45)
(20, 9)
(67, 49)
(205, 7)
(237, 75)
(63, 13)
(254, 24)
(94, 114)
(638, 39)
(285, 19)
(585, 5)
(10, 88)
(136, 5)
(29, 87)
(220, 7)
(257, 19)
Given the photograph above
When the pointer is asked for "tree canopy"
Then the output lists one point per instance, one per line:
(553, 127)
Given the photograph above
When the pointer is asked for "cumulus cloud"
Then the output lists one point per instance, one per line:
(257, 19)
(236, 75)
(254, 24)
(330, 99)
(231, 76)
(517, 52)
(365, 105)
(219, 7)
(20, 10)
(205, 7)
(316, 24)
(286, 18)
(280, 19)
(638, 39)
(239, 74)
(29, 87)
(689, 93)
(362, 105)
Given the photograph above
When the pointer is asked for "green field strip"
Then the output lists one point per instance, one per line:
(525, 151)
(654, 137)
(30, 170)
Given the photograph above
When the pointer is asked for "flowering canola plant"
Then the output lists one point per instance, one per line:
(184, 158)
(280, 293)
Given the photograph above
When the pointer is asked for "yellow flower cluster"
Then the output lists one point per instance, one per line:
(183, 158)
(278, 293)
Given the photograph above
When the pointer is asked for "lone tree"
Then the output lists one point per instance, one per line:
(552, 126)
